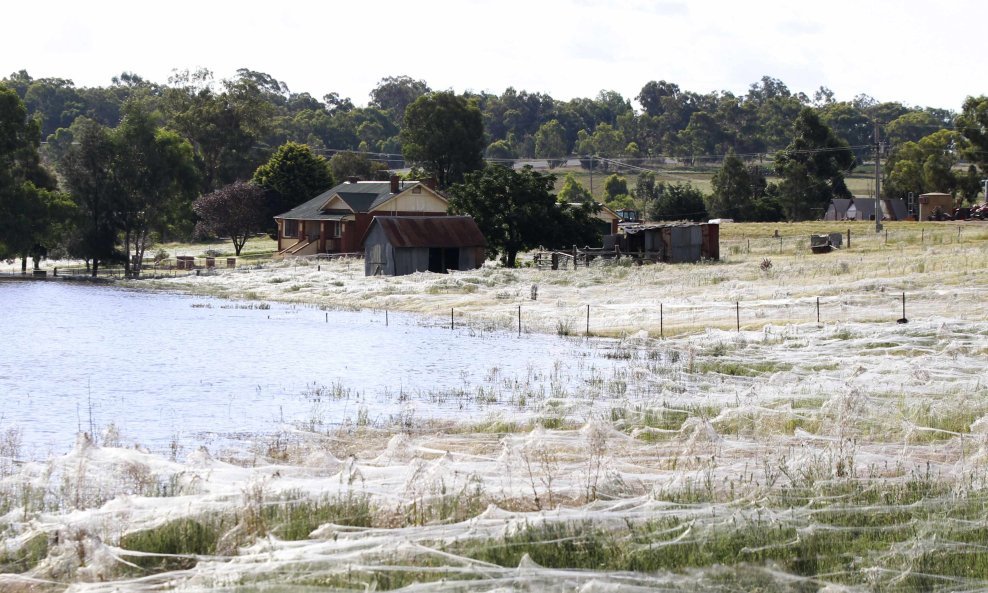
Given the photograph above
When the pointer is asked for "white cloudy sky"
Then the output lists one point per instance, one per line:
(919, 53)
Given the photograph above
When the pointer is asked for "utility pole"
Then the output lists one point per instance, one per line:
(878, 181)
(591, 178)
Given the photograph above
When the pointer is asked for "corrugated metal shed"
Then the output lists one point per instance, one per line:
(678, 242)
(398, 245)
(431, 231)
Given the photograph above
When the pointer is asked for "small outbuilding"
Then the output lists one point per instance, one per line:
(933, 200)
(678, 242)
(399, 245)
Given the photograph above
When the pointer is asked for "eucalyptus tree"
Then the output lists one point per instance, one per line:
(812, 167)
(444, 134)
(32, 213)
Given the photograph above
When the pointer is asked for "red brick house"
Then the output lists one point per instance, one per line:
(336, 220)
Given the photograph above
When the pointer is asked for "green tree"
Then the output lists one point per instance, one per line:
(702, 136)
(851, 124)
(550, 143)
(911, 127)
(292, 175)
(223, 128)
(157, 177)
(235, 211)
(573, 192)
(89, 170)
(732, 190)
(812, 167)
(346, 164)
(31, 212)
(500, 150)
(395, 93)
(516, 211)
(614, 186)
(972, 123)
(679, 202)
(925, 166)
(444, 134)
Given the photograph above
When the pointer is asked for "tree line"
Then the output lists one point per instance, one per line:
(132, 159)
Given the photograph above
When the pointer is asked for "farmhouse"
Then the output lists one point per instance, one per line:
(336, 220)
(863, 208)
(605, 220)
(399, 245)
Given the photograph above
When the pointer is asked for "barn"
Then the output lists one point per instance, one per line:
(399, 245)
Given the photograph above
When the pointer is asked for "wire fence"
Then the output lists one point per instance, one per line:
(659, 320)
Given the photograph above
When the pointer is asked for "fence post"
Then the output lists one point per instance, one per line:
(588, 320)
(385, 318)
(451, 322)
(661, 322)
(519, 321)
(848, 238)
(818, 309)
(737, 311)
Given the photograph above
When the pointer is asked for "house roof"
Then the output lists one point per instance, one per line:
(841, 205)
(430, 231)
(866, 206)
(897, 208)
(362, 196)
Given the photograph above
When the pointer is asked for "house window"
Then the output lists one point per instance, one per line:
(291, 228)
(417, 189)
(334, 228)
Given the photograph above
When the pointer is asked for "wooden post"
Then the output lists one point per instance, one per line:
(958, 239)
(749, 245)
(661, 322)
(451, 322)
(848, 238)
(922, 235)
(327, 317)
(903, 305)
(737, 311)
(588, 320)
(519, 321)
(886, 236)
(385, 318)
(818, 309)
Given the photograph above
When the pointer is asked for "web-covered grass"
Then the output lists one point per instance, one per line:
(790, 456)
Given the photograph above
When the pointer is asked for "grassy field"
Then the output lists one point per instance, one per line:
(860, 182)
(849, 454)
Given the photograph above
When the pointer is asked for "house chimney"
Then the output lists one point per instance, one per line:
(430, 183)
(394, 184)
(352, 179)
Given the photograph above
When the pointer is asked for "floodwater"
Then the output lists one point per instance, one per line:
(167, 369)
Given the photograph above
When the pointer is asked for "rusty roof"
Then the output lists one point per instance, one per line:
(638, 227)
(430, 231)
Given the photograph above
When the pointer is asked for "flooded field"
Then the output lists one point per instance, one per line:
(169, 370)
